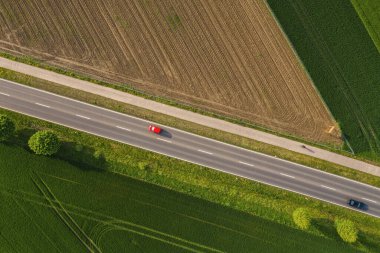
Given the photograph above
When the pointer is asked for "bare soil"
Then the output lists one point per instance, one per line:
(229, 57)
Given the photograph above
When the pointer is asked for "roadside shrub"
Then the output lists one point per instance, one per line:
(302, 218)
(44, 143)
(346, 230)
(7, 127)
(143, 165)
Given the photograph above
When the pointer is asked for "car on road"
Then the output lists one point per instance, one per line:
(357, 204)
(155, 129)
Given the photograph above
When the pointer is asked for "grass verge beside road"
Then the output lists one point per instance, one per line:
(97, 154)
(190, 127)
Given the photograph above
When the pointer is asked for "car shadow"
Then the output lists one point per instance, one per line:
(365, 207)
(166, 134)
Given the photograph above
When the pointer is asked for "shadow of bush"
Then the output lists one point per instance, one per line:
(22, 136)
(368, 242)
(83, 157)
(326, 227)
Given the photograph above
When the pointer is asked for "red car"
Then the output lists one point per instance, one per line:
(155, 129)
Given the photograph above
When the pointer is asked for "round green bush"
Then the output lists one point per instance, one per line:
(302, 218)
(7, 127)
(346, 230)
(44, 143)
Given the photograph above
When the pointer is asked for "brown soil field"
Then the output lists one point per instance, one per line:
(229, 57)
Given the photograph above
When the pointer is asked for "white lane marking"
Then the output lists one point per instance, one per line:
(327, 187)
(81, 116)
(286, 175)
(5, 94)
(247, 164)
(164, 140)
(123, 128)
(200, 150)
(42, 105)
(370, 200)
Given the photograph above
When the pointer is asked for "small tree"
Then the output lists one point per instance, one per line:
(7, 127)
(346, 230)
(302, 218)
(44, 143)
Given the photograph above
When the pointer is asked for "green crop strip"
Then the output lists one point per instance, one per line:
(343, 62)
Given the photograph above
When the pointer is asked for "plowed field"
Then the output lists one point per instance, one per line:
(229, 57)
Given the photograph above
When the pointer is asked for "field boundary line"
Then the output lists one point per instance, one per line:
(301, 62)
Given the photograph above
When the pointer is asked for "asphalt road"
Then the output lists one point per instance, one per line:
(189, 147)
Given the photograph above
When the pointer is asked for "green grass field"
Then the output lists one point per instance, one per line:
(369, 12)
(48, 205)
(343, 62)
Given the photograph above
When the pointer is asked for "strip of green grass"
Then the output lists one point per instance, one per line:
(369, 12)
(191, 127)
(98, 154)
(48, 205)
(343, 62)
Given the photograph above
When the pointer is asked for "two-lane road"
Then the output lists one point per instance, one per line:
(186, 146)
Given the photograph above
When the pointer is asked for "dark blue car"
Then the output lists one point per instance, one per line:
(357, 204)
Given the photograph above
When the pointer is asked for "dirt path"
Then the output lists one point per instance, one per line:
(189, 116)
